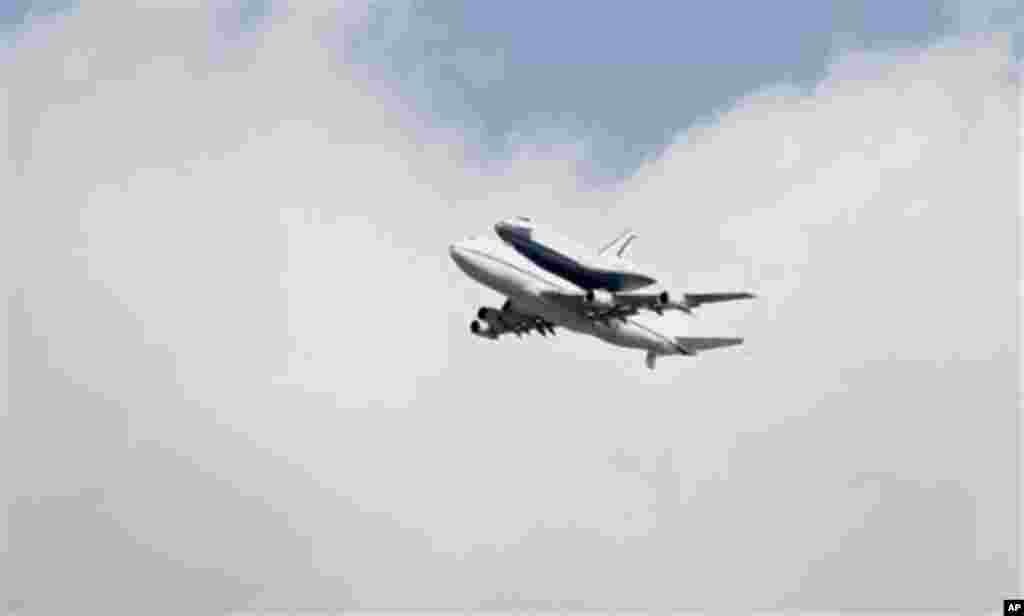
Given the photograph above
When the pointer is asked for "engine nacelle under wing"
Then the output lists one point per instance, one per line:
(599, 298)
(489, 315)
(478, 330)
(496, 322)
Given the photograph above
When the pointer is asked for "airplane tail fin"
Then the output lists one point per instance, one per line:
(691, 346)
(617, 247)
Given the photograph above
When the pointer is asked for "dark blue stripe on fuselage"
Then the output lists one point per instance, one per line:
(564, 267)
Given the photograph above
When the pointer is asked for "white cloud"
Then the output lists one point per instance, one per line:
(234, 261)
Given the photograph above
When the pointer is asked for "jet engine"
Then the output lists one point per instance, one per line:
(599, 298)
(478, 330)
(491, 317)
(667, 301)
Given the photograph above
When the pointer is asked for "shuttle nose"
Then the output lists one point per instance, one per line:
(511, 228)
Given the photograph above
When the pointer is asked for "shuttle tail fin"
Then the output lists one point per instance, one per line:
(618, 246)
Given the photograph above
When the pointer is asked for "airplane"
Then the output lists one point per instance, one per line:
(601, 275)
(537, 300)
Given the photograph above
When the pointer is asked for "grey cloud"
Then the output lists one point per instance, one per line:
(240, 364)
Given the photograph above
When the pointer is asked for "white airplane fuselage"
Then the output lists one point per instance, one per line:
(499, 267)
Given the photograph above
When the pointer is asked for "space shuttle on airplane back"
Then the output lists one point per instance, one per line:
(606, 270)
(607, 276)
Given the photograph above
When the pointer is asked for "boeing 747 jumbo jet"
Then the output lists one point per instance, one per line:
(538, 300)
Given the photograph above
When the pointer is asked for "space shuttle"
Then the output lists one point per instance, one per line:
(609, 279)
(606, 270)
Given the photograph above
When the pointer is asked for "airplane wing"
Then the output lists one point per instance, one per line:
(621, 305)
(696, 299)
(693, 345)
(578, 303)
(496, 323)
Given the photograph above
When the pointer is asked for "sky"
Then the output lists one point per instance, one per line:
(626, 80)
(240, 374)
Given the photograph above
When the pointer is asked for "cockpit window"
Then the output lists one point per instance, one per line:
(523, 218)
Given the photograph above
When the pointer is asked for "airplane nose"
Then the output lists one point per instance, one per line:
(455, 251)
(458, 252)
